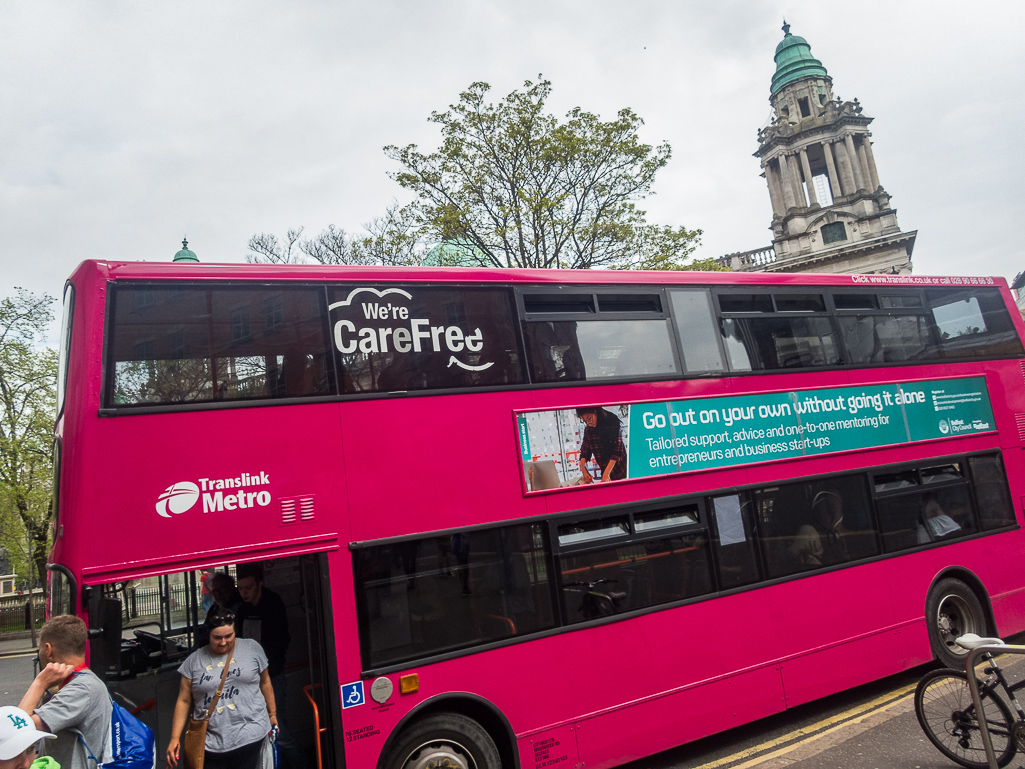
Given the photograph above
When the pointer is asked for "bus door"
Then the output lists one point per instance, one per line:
(142, 630)
(320, 693)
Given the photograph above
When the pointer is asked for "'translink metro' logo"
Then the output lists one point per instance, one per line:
(218, 494)
(386, 326)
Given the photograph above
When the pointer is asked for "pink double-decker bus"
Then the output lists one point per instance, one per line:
(506, 511)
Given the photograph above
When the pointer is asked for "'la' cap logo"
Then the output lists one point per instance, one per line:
(177, 498)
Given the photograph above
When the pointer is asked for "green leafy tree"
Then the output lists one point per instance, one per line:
(516, 187)
(28, 381)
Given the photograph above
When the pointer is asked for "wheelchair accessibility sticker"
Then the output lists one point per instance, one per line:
(352, 695)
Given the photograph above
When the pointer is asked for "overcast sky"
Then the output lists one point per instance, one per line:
(125, 125)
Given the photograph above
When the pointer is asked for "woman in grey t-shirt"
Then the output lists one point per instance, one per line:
(245, 711)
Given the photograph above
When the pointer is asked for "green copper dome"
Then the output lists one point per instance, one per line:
(454, 253)
(185, 255)
(794, 61)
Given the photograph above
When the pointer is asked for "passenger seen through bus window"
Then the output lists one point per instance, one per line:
(820, 542)
(937, 523)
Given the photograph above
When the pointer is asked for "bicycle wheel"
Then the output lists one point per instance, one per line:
(943, 704)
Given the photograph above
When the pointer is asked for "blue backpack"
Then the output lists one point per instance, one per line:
(130, 743)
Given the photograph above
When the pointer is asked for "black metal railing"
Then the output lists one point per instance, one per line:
(20, 611)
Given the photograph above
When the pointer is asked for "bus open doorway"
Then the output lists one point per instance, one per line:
(142, 630)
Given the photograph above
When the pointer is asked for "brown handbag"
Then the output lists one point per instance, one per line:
(194, 740)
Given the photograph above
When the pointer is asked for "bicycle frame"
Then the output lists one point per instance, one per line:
(973, 686)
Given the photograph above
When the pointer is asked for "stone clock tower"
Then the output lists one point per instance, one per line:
(830, 213)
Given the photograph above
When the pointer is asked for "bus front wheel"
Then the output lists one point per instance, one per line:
(951, 611)
(446, 739)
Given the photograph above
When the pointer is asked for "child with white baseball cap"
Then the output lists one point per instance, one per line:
(18, 735)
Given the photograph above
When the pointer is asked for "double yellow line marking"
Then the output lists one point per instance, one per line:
(809, 734)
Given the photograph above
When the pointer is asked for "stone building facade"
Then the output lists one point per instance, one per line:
(830, 212)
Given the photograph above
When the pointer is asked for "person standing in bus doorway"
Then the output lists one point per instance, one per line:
(262, 617)
(227, 684)
(79, 713)
(603, 440)
(19, 740)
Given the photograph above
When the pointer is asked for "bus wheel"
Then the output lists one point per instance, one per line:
(444, 740)
(951, 611)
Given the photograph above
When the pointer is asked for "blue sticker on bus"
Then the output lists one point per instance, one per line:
(352, 695)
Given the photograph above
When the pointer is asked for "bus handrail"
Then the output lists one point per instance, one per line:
(973, 686)
(317, 729)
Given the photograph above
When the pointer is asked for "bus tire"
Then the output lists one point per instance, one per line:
(446, 736)
(951, 611)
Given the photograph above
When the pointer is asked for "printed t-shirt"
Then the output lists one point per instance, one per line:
(240, 717)
(82, 705)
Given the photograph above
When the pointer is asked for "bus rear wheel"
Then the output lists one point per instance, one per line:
(951, 611)
(445, 740)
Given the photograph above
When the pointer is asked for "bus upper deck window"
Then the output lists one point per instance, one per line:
(179, 343)
(900, 300)
(65, 345)
(745, 302)
(696, 330)
(587, 334)
(406, 338)
(856, 301)
(800, 303)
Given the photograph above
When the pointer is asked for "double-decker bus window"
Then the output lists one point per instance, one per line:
(558, 303)
(437, 594)
(575, 351)
(942, 473)
(899, 523)
(903, 479)
(973, 323)
(663, 520)
(185, 344)
(580, 532)
(593, 334)
(958, 317)
(404, 338)
(733, 538)
(634, 575)
(889, 301)
(815, 524)
(745, 303)
(800, 303)
(696, 330)
(777, 331)
(887, 338)
(991, 494)
(65, 344)
(780, 342)
(921, 517)
(629, 302)
(856, 301)
(918, 506)
(60, 592)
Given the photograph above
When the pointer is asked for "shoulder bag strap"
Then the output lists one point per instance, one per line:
(220, 687)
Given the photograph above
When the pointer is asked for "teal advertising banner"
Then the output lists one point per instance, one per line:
(696, 434)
